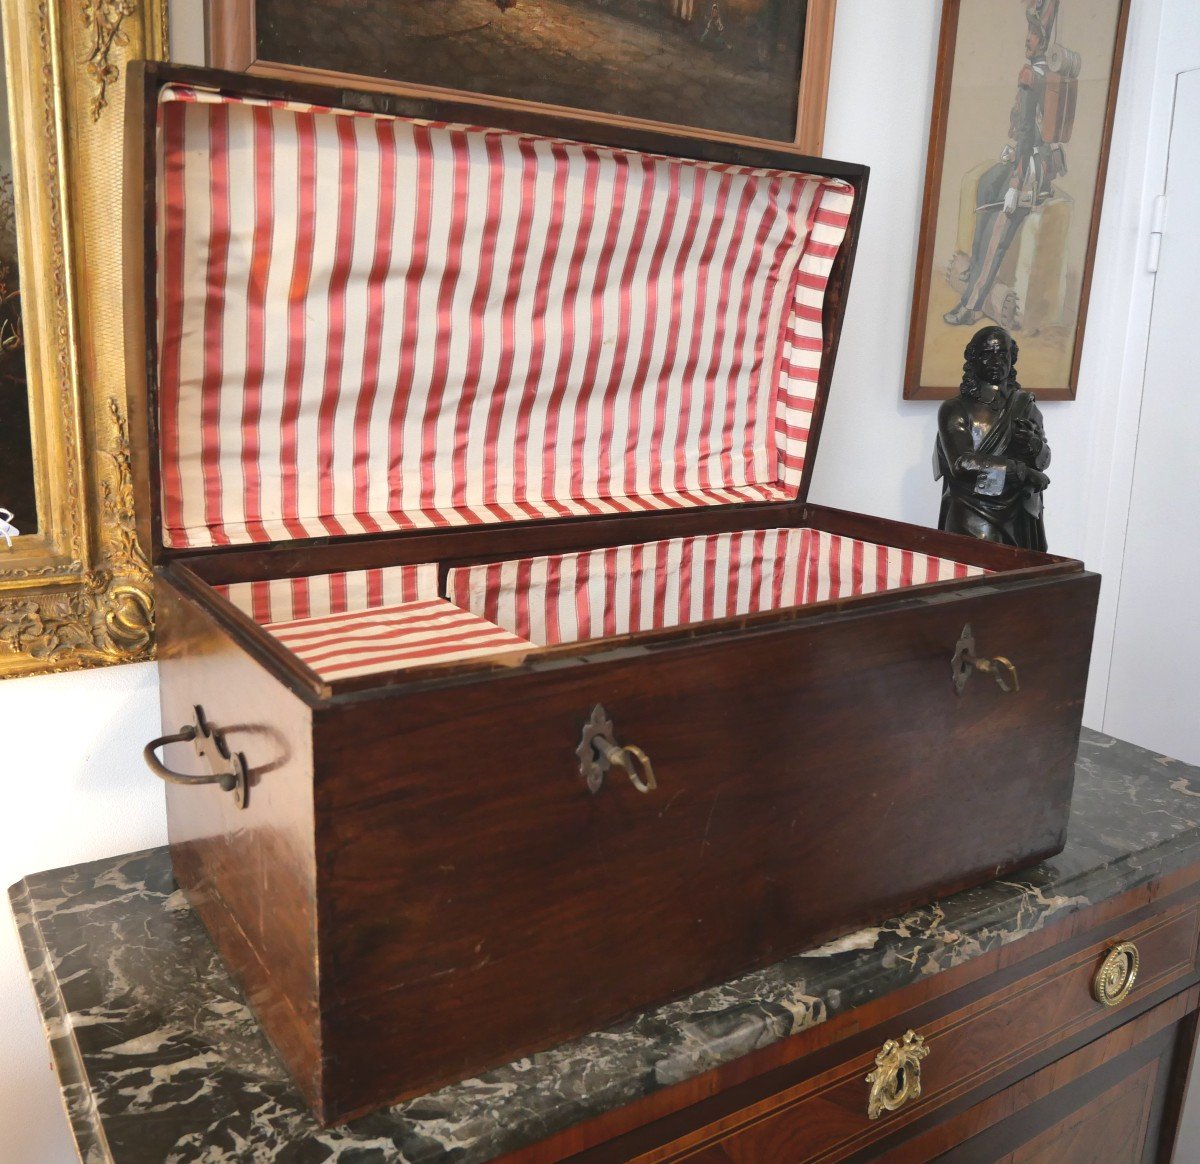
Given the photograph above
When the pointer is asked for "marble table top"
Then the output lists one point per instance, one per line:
(160, 1059)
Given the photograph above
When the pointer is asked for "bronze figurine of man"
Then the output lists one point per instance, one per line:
(991, 452)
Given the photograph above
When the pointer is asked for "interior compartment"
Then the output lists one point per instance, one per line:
(564, 598)
(360, 622)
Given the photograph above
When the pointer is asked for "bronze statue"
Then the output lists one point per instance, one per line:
(991, 449)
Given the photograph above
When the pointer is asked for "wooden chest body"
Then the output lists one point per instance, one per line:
(420, 882)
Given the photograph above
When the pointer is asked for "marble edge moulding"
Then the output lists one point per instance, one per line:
(78, 592)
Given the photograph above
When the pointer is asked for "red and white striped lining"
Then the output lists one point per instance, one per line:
(803, 337)
(372, 323)
(284, 599)
(393, 638)
(566, 598)
(369, 621)
(840, 567)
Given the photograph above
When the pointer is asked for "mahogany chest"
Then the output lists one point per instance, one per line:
(511, 683)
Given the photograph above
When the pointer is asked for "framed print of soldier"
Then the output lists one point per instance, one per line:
(730, 68)
(1018, 147)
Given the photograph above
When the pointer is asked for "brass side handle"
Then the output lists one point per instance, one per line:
(896, 1079)
(599, 753)
(1117, 974)
(225, 768)
(965, 661)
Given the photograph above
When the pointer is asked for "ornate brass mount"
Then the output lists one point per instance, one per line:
(1115, 978)
(226, 768)
(897, 1075)
(598, 751)
(965, 661)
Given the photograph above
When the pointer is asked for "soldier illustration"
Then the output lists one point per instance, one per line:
(1041, 120)
(991, 449)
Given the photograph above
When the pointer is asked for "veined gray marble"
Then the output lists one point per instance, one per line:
(161, 1061)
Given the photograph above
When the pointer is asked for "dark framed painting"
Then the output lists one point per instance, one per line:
(746, 68)
(1018, 148)
(18, 494)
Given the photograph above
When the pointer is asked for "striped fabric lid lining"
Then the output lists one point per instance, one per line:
(373, 323)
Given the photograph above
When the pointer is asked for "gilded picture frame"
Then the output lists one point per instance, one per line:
(1023, 107)
(77, 592)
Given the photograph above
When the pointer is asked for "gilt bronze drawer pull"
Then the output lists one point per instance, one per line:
(1115, 978)
(897, 1075)
(965, 661)
(598, 751)
(225, 768)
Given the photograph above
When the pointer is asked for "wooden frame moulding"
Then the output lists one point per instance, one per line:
(914, 388)
(233, 44)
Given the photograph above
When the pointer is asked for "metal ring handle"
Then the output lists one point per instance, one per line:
(150, 755)
(1117, 974)
(644, 782)
(227, 780)
(206, 741)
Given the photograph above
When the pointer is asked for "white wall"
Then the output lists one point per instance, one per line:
(73, 785)
(876, 450)
(72, 789)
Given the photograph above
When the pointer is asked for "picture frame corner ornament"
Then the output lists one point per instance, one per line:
(104, 21)
(106, 620)
(109, 617)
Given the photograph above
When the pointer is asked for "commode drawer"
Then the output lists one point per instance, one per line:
(918, 1071)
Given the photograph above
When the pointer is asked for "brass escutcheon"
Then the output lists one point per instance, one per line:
(599, 752)
(1117, 974)
(897, 1075)
(965, 661)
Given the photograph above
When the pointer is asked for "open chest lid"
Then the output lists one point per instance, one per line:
(372, 313)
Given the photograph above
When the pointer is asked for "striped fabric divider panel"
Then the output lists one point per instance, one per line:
(284, 599)
(840, 567)
(375, 323)
(572, 597)
(568, 597)
(392, 638)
